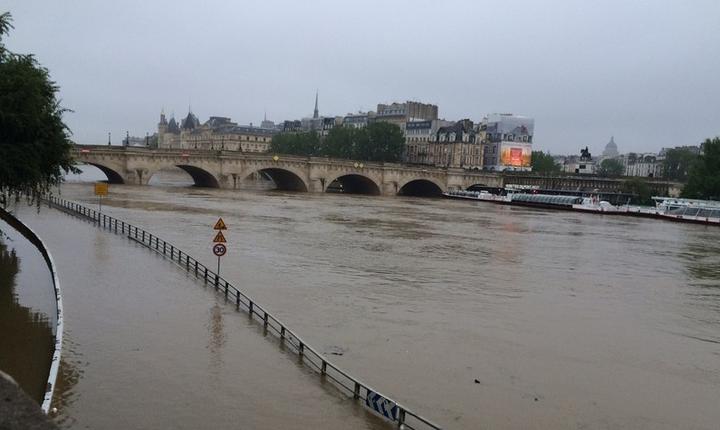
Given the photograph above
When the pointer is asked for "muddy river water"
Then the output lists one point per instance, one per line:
(471, 314)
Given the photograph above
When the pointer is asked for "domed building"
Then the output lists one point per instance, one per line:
(611, 149)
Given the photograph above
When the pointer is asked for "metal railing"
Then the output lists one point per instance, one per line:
(31, 236)
(378, 403)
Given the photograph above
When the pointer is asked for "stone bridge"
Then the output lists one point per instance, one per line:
(230, 169)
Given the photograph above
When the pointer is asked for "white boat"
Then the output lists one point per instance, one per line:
(552, 201)
(477, 195)
(688, 210)
(675, 209)
(594, 204)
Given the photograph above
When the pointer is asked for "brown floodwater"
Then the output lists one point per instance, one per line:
(27, 313)
(471, 314)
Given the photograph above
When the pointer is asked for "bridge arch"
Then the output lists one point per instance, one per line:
(421, 187)
(353, 183)
(114, 177)
(285, 179)
(201, 177)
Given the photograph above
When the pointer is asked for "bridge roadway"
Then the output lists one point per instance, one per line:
(229, 169)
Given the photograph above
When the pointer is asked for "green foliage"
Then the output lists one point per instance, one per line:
(611, 168)
(307, 144)
(678, 163)
(543, 163)
(34, 142)
(640, 189)
(378, 141)
(342, 142)
(385, 143)
(704, 178)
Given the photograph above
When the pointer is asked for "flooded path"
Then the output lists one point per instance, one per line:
(474, 315)
(146, 346)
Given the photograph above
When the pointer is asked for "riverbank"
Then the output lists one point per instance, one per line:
(18, 411)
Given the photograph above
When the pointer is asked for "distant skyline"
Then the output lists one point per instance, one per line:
(642, 71)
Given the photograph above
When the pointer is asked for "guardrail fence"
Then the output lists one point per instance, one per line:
(373, 400)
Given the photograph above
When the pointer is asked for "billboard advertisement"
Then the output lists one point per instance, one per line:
(514, 154)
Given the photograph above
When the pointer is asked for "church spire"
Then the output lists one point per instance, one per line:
(316, 114)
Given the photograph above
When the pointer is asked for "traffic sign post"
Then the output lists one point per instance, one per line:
(101, 189)
(219, 248)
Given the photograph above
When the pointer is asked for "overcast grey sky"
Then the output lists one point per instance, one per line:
(647, 72)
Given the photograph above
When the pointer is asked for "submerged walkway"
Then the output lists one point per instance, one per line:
(148, 347)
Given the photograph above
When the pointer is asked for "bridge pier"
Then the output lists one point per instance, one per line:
(317, 185)
(137, 176)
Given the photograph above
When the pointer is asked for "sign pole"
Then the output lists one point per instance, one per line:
(219, 248)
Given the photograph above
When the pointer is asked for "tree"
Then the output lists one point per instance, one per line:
(35, 146)
(385, 143)
(704, 178)
(543, 163)
(642, 194)
(611, 168)
(341, 142)
(377, 142)
(305, 143)
(678, 163)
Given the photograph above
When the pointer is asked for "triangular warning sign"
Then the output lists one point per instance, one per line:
(220, 225)
(219, 238)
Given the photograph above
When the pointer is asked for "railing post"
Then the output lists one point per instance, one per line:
(282, 333)
(356, 391)
(206, 275)
(401, 417)
(187, 263)
(227, 288)
(164, 246)
(301, 349)
(143, 236)
(237, 300)
(196, 267)
(265, 320)
(217, 281)
(250, 308)
(323, 368)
